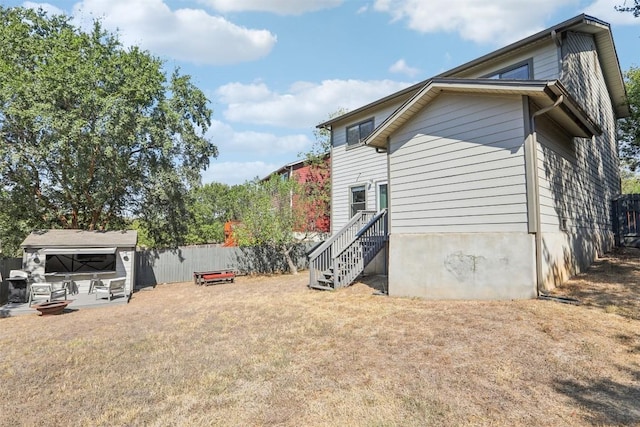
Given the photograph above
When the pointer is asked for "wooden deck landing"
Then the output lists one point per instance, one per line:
(81, 301)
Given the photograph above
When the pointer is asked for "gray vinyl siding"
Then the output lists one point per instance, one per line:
(353, 166)
(458, 166)
(557, 171)
(545, 59)
(596, 158)
(573, 184)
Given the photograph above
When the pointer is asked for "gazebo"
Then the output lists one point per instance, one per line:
(77, 258)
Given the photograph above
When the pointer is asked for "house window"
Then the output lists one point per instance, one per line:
(79, 263)
(520, 71)
(358, 199)
(383, 195)
(358, 132)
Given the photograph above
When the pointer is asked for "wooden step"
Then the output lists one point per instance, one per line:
(321, 287)
(325, 280)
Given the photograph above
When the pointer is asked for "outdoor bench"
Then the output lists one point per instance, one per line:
(212, 277)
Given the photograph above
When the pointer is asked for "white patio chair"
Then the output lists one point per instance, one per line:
(112, 287)
(40, 291)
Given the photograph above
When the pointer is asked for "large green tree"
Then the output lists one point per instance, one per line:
(629, 128)
(91, 133)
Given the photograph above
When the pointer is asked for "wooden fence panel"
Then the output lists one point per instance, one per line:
(177, 265)
(626, 220)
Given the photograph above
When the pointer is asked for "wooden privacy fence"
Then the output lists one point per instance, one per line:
(626, 220)
(155, 266)
(178, 265)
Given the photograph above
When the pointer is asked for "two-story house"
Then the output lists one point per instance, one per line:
(492, 180)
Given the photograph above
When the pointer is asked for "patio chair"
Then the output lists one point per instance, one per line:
(45, 291)
(112, 287)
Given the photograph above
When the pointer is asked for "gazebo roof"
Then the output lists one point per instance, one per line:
(80, 239)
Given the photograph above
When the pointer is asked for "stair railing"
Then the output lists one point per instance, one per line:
(322, 259)
(347, 252)
(365, 246)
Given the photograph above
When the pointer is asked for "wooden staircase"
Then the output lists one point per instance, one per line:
(342, 258)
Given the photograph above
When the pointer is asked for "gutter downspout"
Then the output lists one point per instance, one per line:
(531, 153)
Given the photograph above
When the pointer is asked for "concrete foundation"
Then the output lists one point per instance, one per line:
(378, 265)
(478, 266)
(565, 254)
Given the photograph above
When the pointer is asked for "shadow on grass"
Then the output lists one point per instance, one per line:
(611, 283)
(378, 283)
(610, 403)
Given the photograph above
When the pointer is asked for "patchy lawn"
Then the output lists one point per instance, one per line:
(269, 351)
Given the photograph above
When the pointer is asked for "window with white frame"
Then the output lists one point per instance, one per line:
(383, 196)
(359, 131)
(358, 199)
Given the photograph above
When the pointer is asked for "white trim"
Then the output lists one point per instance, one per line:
(71, 251)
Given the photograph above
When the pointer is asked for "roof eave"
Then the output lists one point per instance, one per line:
(574, 111)
(584, 125)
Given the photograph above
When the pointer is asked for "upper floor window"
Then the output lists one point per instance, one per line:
(521, 71)
(358, 132)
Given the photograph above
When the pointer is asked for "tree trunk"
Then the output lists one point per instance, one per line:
(292, 265)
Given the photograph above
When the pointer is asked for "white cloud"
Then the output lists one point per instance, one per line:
(49, 8)
(280, 7)
(401, 67)
(251, 143)
(232, 173)
(184, 34)
(604, 10)
(304, 105)
(498, 21)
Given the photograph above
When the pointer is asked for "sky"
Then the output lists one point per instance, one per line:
(273, 69)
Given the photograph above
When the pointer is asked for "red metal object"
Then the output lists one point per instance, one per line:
(229, 240)
(52, 307)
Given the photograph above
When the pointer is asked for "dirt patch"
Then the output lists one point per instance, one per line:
(270, 351)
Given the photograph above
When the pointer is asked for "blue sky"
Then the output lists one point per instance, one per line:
(273, 69)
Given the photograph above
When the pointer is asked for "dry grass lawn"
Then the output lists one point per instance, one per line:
(269, 351)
